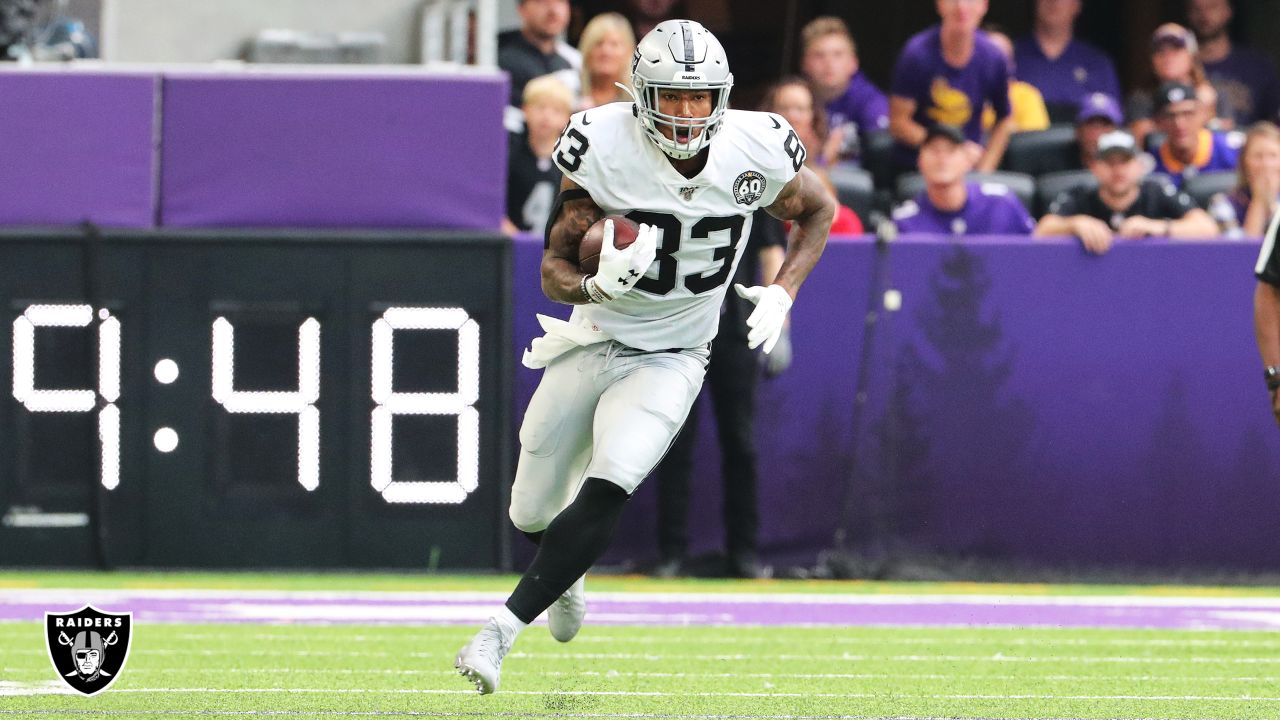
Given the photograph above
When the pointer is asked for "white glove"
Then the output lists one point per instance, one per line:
(772, 305)
(777, 362)
(620, 269)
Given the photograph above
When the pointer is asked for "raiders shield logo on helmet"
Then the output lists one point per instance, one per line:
(88, 647)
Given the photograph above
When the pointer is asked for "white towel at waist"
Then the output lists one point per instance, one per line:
(560, 338)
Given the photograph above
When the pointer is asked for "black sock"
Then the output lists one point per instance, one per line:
(573, 541)
(534, 537)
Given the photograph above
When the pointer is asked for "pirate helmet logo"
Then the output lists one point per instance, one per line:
(88, 647)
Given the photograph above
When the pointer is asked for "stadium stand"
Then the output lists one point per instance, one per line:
(1051, 185)
(855, 187)
(1022, 185)
(1204, 186)
(1040, 152)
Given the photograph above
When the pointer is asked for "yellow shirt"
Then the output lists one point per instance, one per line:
(1029, 112)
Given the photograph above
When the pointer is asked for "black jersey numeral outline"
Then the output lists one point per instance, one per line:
(669, 243)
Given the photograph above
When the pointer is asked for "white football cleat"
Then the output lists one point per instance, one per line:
(565, 615)
(480, 660)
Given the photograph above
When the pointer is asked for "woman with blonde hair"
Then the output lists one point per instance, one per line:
(607, 45)
(1175, 57)
(1247, 209)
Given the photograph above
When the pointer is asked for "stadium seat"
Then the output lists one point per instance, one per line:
(1061, 112)
(1204, 186)
(854, 187)
(1022, 185)
(1043, 151)
(877, 157)
(1049, 187)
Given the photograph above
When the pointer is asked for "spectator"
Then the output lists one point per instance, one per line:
(606, 46)
(1099, 114)
(535, 49)
(646, 14)
(532, 178)
(1174, 58)
(792, 99)
(949, 203)
(1063, 68)
(946, 75)
(731, 378)
(1245, 77)
(1189, 147)
(1124, 204)
(853, 103)
(1026, 102)
(1246, 210)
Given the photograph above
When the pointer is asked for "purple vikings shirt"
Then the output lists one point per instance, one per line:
(1081, 69)
(862, 105)
(947, 95)
(1247, 77)
(990, 210)
(1214, 153)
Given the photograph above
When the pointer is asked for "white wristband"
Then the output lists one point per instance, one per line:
(592, 290)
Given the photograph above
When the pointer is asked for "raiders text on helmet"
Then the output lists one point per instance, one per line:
(680, 55)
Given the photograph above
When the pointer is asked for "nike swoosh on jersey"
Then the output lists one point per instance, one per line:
(776, 125)
(585, 121)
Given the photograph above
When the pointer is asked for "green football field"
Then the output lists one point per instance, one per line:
(317, 667)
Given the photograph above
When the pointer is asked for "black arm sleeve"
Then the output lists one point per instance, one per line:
(565, 196)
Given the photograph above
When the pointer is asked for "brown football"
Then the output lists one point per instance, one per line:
(624, 233)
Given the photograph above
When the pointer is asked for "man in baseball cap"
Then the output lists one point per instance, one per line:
(1099, 114)
(950, 204)
(1189, 146)
(1124, 204)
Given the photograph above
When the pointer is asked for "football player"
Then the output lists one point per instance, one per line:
(621, 374)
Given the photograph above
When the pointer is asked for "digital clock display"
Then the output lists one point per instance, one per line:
(257, 400)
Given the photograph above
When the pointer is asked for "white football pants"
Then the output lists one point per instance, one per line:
(605, 411)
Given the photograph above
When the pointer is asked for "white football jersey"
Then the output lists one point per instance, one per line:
(703, 221)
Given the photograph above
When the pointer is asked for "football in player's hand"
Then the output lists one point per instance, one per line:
(624, 233)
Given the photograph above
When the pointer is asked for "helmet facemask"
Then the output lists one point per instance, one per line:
(679, 55)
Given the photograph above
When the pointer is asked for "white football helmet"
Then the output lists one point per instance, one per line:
(681, 55)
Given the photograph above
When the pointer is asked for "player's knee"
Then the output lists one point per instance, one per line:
(528, 517)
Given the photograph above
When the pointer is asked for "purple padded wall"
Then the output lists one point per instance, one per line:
(333, 150)
(1028, 403)
(78, 146)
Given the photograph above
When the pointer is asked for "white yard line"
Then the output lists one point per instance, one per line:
(399, 634)
(692, 675)
(487, 714)
(77, 595)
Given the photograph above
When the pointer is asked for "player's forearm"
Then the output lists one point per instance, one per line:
(808, 240)
(562, 281)
(996, 146)
(1266, 322)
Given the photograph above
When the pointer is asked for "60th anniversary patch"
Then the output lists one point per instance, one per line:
(88, 647)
